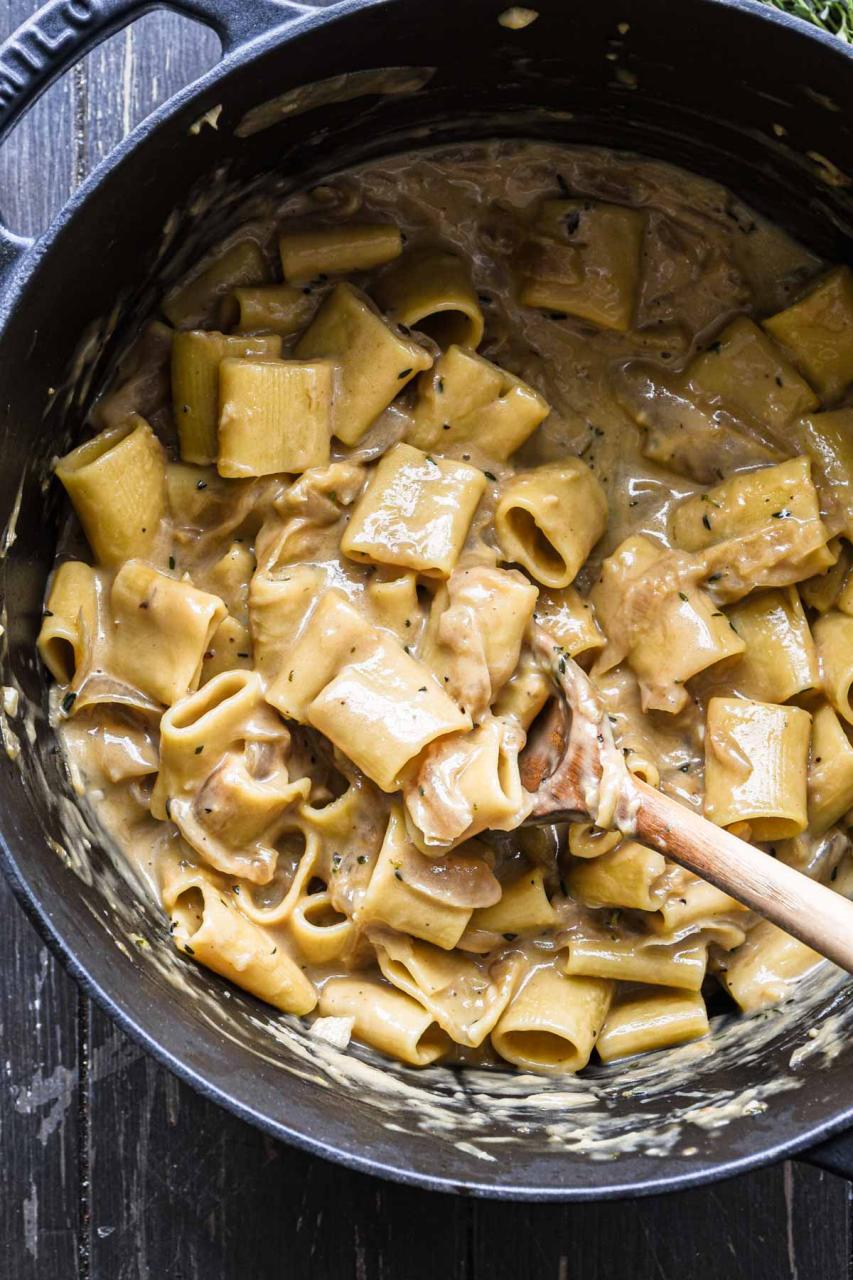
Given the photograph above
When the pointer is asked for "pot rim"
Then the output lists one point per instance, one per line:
(708, 1169)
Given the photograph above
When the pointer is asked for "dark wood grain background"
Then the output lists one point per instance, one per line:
(113, 1170)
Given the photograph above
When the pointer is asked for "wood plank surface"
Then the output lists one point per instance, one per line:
(113, 1170)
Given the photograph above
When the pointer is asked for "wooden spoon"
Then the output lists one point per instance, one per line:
(567, 762)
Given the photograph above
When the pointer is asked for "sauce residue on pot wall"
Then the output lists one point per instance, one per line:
(707, 1085)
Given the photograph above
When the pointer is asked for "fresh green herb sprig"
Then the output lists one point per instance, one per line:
(834, 16)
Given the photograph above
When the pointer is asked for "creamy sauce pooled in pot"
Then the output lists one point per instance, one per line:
(403, 454)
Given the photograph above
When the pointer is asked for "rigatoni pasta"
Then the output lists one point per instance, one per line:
(70, 621)
(646, 1020)
(818, 331)
(337, 250)
(548, 520)
(274, 416)
(376, 360)
(196, 360)
(117, 484)
(584, 258)
(358, 505)
(466, 399)
(552, 1023)
(415, 512)
(432, 291)
(756, 760)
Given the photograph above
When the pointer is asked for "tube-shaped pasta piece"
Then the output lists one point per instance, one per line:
(117, 485)
(274, 416)
(415, 512)
(626, 565)
(642, 767)
(645, 610)
(585, 260)
(432, 291)
(525, 693)
(69, 621)
(588, 841)
(466, 996)
(376, 361)
(833, 635)
(756, 765)
(465, 399)
(475, 631)
(552, 1023)
(392, 900)
(458, 383)
(830, 784)
(334, 635)
(766, 966)
(163, 629)
(336, 251)
(684, 624)
(674, 964)
(642, 1021)
(466, 783)
(208, 925)
(818, 332)
(823, 590)
(235, 818)
(694, 906)
(382, 709)
(267, 308)
(394, 602)
(230, 576)
(780, 658)
(359, 687)
(748, 375)
(828, 440)
(196, 357)
(230, 649)
(198, 730)
(627, 876)
(771, 516)
(278, 608)
(747, 499)
(523, 906)
(193, 301)
(386, 1019)
(549, 519)
(570, 619)
(300, 852)
(321, 933)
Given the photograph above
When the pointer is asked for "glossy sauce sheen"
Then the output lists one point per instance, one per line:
(706, 258)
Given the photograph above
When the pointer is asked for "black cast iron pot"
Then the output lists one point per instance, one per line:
(731, 90)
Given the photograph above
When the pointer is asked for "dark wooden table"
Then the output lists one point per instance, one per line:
(113, 1170)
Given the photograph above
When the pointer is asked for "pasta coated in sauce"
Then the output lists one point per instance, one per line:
(442, 406)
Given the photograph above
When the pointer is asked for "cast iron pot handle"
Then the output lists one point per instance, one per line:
(62, 31)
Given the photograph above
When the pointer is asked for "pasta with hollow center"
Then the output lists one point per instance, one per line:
(419, 446)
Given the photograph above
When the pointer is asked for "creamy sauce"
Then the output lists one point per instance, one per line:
(706, 258)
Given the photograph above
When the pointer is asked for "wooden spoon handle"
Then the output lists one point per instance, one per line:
(820, 918)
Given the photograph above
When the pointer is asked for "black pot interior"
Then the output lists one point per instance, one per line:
(619, 73)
